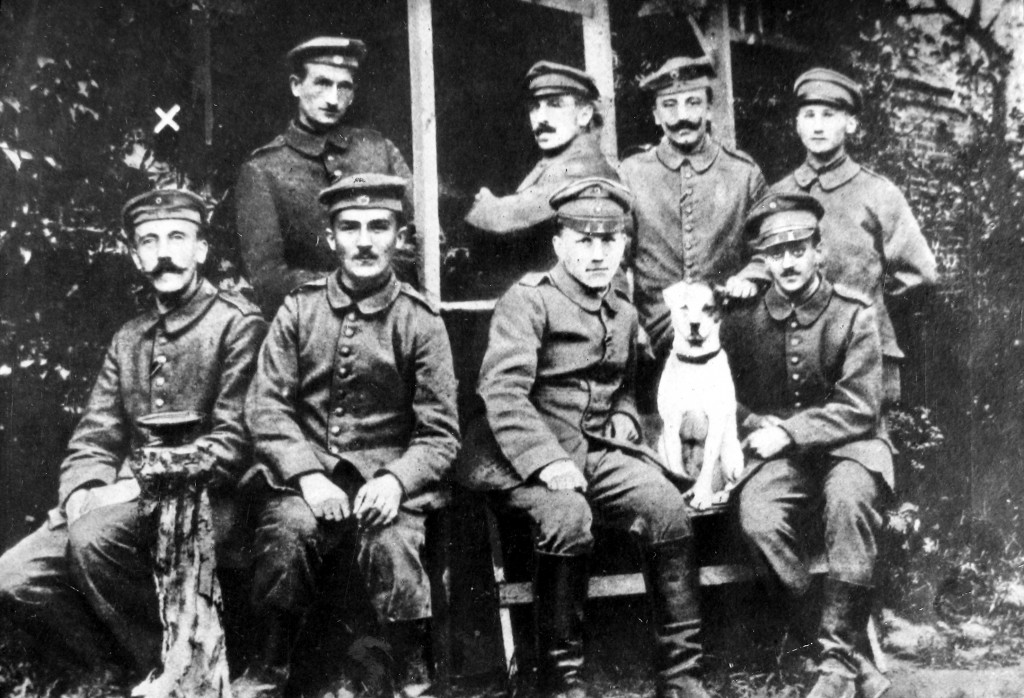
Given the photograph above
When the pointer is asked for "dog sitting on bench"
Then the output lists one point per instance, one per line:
(697, 399)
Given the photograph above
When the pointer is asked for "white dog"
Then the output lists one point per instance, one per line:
(697, 399)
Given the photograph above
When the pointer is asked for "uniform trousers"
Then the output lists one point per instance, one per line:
(295, 553)
(623, 492)
(778, 504)
(86, 585)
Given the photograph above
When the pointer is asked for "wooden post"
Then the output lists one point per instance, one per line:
(719, 36)
(599, 59)
(424, 141)
(193, 655)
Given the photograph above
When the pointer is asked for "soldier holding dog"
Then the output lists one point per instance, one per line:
(692, 193)
(807, 361)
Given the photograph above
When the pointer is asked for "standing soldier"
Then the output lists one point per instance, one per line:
(875, 245)
(279, 220)
(557, 383)
(352, 413)
(84, 580)
(692, 193)
(807, 360)
(562, 105)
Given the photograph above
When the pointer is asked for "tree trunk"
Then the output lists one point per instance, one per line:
(194, 657)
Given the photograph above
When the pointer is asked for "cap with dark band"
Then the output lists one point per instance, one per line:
(593, 206)
(369, 190)
(781, 218)
(339, 51)
(679, 74)
(824, 86)
(163, 204)
(546, 78)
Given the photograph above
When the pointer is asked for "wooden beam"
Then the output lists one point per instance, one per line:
(424, 141)
(719, 36)
(576, 7)
(600, 62)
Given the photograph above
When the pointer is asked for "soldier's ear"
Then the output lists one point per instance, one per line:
(330, 238)
(585, 114)
(136, 260)
(404, 234)
(295, 81)
(851, 125)
(202, 251)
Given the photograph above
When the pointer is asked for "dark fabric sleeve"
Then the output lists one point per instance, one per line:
(262, 241)
(755, 269)
(853, 410)
(270, 413)
(228, 440)
(507, 377)
(102, 438)
(435, 437)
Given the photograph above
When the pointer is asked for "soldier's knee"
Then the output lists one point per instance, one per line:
(852, 496)
(565, 527)
(286, 526)
(13, 580)
(758, 521)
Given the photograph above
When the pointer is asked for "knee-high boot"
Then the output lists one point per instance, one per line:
(673, 583)
(560, 586)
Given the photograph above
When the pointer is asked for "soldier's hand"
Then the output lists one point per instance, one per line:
(737, 287)
(76, 505)
(377, 502)
(768, 441)
(622, 427)
(81, 502)
(325, 499)
(562, 475)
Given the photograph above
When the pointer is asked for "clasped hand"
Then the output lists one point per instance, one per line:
(767, 441)
(376, 503)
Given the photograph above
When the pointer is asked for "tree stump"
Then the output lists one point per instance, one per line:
(193, 654)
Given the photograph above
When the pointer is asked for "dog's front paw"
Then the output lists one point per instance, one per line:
(701, 498)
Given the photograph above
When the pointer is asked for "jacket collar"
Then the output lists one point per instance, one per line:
(584, 146)
(585, 297)
(701, 160)
(374, 303)
(180, 318)
(780, 307)
(832, 176)
(314, 144)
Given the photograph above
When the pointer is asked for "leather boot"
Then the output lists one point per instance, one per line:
(267, 675)
(673, 584)
(560, 587)
(410, 659)
(844, 668)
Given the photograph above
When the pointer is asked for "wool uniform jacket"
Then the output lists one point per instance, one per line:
(817, 367)
(199, 356)
(366, 382)
(873, 242)
(689, 217)
(281, 224)
(560, 361)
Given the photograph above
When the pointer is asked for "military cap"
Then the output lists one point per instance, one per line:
(340, 51)
(547, 78)
(368, 190)
(779, 218)
(593, 205)
(679, 74)
(163, 204)
(824, 86)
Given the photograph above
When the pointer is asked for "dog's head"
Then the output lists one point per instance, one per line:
(696, 310)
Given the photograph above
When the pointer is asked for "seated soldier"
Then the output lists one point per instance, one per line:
(807, 359)
(557, 385)
(353, 417)
(83, 583)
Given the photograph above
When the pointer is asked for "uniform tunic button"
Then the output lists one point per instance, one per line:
(345, 351)
(689, 228)
(794, 359)
(161, 359)
(689, 262)
(689, 209)
(349, 332)
(337, 173)
(795, 341)
(334, 449)
(343, 371)
(798, 404)
(339, 411)
(796, 376)
(335, 430)
(689, 175)
(793, 324)
(159, 402)
(160, 381)
(689, 245)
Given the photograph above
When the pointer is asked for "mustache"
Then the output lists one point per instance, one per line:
(685, 124)
(543, 128)
(365, 256)
(164, 266)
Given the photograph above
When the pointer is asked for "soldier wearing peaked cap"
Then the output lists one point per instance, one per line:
(82, 583)
(280, 224)
(692, 194)
(875, 243)
(352, 412)
(807, 362)
(560, 440)
(561, 101)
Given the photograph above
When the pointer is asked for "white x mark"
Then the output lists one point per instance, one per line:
(167, 118)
